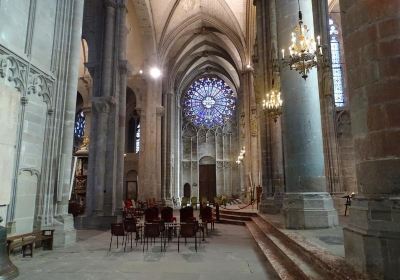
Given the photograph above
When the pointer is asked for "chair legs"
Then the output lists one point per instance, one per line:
(195, 242)
(124, 241)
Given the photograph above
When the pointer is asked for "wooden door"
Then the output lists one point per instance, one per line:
(207, 182)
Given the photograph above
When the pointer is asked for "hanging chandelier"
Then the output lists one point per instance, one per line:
(304, 51)
(273, 104)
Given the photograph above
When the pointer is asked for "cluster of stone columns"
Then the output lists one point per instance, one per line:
(107, 132)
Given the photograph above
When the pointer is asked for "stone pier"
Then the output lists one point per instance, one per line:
(371, 36)
(306, 202)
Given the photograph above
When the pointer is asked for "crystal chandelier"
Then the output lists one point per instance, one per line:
(304, 51)
(273, 104)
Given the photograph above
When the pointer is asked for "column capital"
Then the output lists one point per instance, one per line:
(139, 111)
(103, 104)
(110, 4)
(160, 111)
(122, 5)
(87, 109)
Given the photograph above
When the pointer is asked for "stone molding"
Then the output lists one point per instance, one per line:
(110, 4)
(14, 72)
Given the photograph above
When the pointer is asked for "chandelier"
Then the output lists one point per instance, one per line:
(273, 104)
(304, 51)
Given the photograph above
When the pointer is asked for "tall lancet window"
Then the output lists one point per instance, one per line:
(137, 138)
(337, 69)
(79, 125)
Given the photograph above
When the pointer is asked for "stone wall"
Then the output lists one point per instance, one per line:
(35, 87)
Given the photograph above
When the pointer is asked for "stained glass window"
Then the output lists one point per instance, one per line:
(137, 137)
(209, 102)
(336, 65)
(79, 125)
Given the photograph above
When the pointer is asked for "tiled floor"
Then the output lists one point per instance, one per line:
(229, 253)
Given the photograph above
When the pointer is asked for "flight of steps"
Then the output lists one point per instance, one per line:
(292, 259)
(234, 217)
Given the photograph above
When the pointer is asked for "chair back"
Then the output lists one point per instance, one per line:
(117, 229)
(152, 230)
(206, 213)
(188, 229)
(186, 214)
(167, 214)
(151, 214)
(130, 225)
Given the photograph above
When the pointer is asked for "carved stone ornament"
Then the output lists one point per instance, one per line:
(160, 111)
(103, 105)
(12, 71)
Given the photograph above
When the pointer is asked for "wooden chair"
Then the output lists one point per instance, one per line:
(117, 229)
(130, 228)
(188, 230)
(186, 215)
(151, 215)
(167, 215)
(153, 231)
(206, 216)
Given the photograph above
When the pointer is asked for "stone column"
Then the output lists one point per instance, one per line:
(328, 113)
(70, 107)
(123, 65)
(371, 37)
(251, 160)
(306, 202)
(65, 232)
(102, 148)
(150, 160)
(87, 111)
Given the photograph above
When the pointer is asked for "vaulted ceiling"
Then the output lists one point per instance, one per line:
(194, 37)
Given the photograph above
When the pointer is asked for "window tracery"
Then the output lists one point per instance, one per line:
(209, 102)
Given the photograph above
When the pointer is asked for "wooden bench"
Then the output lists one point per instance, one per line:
(25, 241)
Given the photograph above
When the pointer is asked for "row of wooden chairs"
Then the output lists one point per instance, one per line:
(151, 231)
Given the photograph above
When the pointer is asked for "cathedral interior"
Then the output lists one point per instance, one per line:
(277, 115)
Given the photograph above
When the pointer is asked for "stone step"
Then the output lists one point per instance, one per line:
(301, 261)
(334, 267)
(237, 213)
(283, 266)
(232, 222)
(234, 217)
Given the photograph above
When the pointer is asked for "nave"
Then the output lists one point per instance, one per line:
(228, 253)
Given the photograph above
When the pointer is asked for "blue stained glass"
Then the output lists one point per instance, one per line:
(337, 71)
(79, 125)
(209, 102)
(137, 138)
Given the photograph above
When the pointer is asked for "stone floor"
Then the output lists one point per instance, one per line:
(228, 253)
